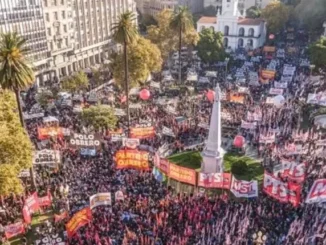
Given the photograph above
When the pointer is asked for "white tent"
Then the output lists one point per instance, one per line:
(50, 119)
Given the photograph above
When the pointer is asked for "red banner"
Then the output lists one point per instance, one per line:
(80, 219)
(27, 215)
(132, 159)
(292, 170)
(182, 174)
(142, 133)
(59, 217)
(283, 192)
(215, 180)
(46, 200)
(46, 133)
(14, 230)
(163, 165)
(32, 203)
(317, 193)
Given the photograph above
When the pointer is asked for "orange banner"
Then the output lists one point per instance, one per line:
(268, 74)
(182, 174)
(269, 49)
(142, 133)
(79, 219)
(132, 159)
(237, 98)
(45, 133)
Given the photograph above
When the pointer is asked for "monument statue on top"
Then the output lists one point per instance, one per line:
(212, 153)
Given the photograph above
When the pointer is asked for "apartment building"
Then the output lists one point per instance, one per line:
(153, 7)
(26, 17)
(79, 31)
(242, 5)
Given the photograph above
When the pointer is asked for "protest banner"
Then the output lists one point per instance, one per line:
(130, 143)
(118, 196)
(267, 139)
(32, 203)
(268, 74)
(51, 239)
(317, 99)
(248, 125)
(182, 174)
(79, 219)
(294, 149)
(142, 133)
(117, 135)
(14, 230)
(281, 191)
(132, 159)
(275, 91)
(317, 193)
(78, 141)
(290, 169)
(59, 217)
(28, 116)
(168, 131)
(242, 188)
(236, 98)
(45, 201)
(215, 180)
(48, 132)
(296, 136)
(254, 116)
(27, 215)
(321, 142)
(47, 157)
(163, 165)
(87, 152)
(281, 85)
(100, 199)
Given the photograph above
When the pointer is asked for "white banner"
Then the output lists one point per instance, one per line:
(242, 188)
(168, 131)
(203, 125)
(267, 139)
(100, 199)
(321, 142)
(226, 115)
(280, 85)
(119, 112)
(317, 99)
(317, 193)
(130, 143)
(28, 116)
(46, 157)
(269, 100)
(248, 125)
(254, 116)
(119, 196)
(276, 91)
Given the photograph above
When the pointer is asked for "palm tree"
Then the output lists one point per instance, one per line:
(125, 32)
(181, 23)
(15, 72)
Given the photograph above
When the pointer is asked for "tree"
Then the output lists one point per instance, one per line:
(317, 52)
(15, 72)
(253, 12)
(15, 146)
(99, 117)
(312, 14)
(166, 40)
(276, 15)
(210, 11)
(125, 32)
(144, 57)
(76, 82)
(182, 24)
(210, 46)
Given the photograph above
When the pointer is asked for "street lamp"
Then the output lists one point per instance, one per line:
(259, 238)
(226, 66)
(312, 66)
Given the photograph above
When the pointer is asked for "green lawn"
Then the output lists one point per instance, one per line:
(192, 159)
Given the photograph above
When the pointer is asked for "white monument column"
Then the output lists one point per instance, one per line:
(212, 154)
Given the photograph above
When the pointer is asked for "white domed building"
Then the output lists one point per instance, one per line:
(238, 31)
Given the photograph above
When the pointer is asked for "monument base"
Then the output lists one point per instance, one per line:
(212, 162)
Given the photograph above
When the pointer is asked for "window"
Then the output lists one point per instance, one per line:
(47, 17)
(226, 30)
(240, 43)
(250, 43)
(49, 31)
(55, 14)
(241, 32)
(63, 14)
(251, 32)
(226, 42)
(65, 28)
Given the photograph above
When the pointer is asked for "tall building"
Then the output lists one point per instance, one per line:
(26, 17)
(79, 32)
(242, 5)
(238, 31)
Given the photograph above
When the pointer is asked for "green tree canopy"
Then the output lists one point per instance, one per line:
(253, 12)
(210, 46)
(164, 38)
(210, 11)
(75, 82)
(312, 13)
(99, 117)
(276, 15)
(317, 52)
(15, 146)
(144, 57)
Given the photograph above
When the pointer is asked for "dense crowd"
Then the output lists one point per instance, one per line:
(152, 212)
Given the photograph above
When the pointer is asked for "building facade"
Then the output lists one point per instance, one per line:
(238, 31)
(153, 7)
(242, 4)
(324, 25)
(26, 17)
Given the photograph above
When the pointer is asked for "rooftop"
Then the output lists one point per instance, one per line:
(207, 20)
(241, 21)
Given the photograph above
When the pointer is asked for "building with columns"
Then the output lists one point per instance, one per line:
(238, 31)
